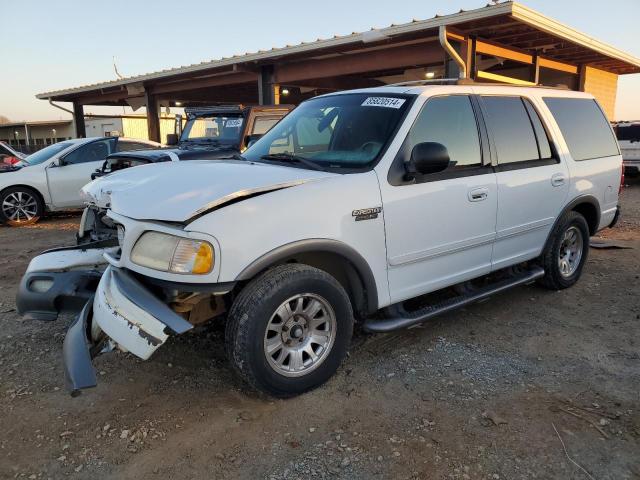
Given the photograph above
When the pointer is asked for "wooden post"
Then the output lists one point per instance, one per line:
(78, 120)
(535, 69)
(153, 119)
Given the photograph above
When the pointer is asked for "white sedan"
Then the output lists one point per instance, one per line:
(51, 178)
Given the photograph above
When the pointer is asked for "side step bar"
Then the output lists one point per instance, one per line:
(400, 321)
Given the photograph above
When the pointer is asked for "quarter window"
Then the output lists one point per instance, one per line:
(511, 128)
(584, 127)
(451, 122)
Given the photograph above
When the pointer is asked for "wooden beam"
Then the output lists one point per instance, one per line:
(207, 82)
(78, 120)
(360, 63)
(486, 48)
(494, 77)
(555, 65)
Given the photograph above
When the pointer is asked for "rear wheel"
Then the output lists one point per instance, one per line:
(20, 206)
(289, 330)
(566, 252)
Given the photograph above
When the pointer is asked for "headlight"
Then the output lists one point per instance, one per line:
(169, 253)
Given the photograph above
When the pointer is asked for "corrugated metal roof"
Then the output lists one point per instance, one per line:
(516, 10)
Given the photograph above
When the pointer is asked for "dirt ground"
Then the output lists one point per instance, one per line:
(534, 384)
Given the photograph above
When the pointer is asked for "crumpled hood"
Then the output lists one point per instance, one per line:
(178, 191)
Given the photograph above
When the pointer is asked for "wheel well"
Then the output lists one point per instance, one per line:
(27, 187)
(338, 267)
(590, 214)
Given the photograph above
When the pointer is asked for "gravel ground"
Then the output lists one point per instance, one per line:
(534, 384)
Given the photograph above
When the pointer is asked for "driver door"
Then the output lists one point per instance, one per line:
(73, 171)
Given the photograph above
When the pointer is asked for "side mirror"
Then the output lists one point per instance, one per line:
(429, 157)
(251, 139)
(172, 139)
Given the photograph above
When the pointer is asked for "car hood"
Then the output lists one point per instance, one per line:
(179, 191)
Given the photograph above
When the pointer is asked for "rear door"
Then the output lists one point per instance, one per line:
(532, 181)
(74, 171)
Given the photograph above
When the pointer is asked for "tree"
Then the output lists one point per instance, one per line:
(4, 120)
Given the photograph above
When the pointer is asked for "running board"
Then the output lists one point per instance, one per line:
(409, 319)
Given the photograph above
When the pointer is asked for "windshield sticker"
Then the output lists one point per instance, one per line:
(386, 102)
(233, 123)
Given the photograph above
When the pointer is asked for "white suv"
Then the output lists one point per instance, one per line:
(383, 206)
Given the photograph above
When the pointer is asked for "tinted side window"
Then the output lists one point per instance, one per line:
(584, 127)
(92, 152)
(451, 122)
(511, 128)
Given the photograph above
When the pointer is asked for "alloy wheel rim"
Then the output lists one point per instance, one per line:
(19, 207)
(300, 335)
(570, 252)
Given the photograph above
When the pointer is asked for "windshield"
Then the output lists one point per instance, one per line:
(46, 153)
(339, 131)
(214, 128)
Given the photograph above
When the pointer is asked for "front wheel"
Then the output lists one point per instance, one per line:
(289, 330)
(20, 206)
(566, 252)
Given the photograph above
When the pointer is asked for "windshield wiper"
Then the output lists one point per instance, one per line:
(288, 157)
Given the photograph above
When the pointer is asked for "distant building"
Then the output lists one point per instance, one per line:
(32, 136)
(131, 126)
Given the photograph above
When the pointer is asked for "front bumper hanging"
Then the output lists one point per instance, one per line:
(125, 315)
(76, 353)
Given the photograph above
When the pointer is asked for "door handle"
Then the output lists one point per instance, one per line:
(478, 194)
(558, 179)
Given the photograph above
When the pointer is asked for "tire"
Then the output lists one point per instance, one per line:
(259, 320)
(20, 206)
(563, 271)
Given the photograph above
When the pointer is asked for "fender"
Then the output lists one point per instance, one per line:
(570, 206)
(318, 245)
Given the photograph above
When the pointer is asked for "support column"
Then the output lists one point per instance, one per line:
(153, 119)
(535, 69)
(78, 120)
(267, 94)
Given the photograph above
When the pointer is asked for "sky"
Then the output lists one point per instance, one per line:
(48, 46)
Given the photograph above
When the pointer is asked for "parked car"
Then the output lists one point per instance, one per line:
(8, 155)
(210, 132)
(628, 134)
(386, 206)
(50, 179)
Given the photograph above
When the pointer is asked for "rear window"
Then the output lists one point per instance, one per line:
(584, 127)
(628, 132)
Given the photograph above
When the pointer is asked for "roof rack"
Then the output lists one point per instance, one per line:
(469, 81)
(431, 81)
